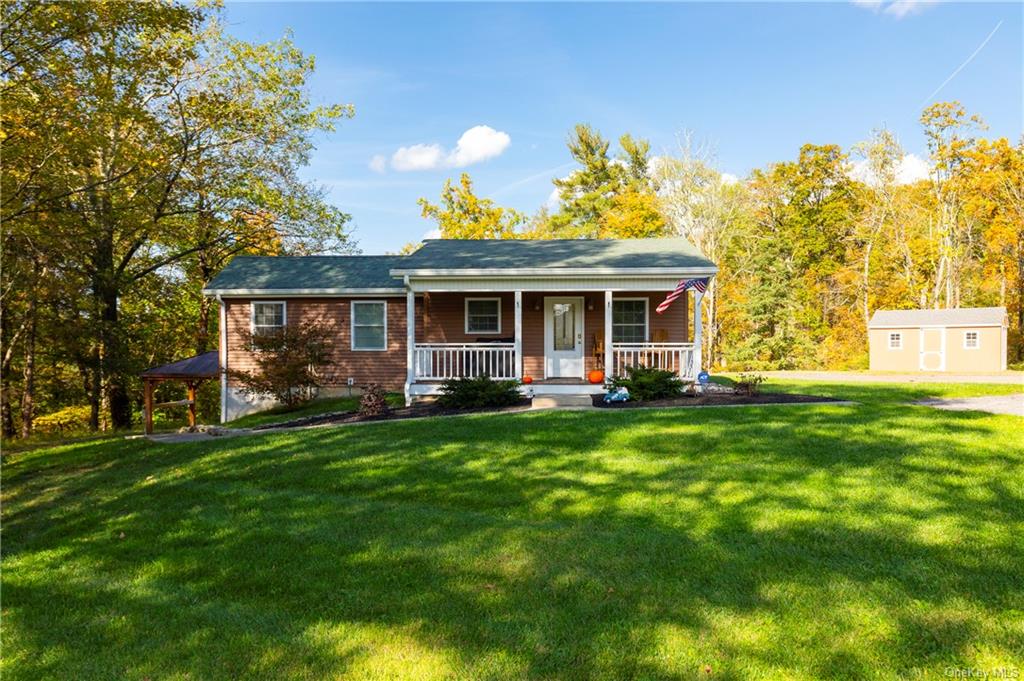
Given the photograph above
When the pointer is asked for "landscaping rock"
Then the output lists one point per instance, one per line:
(214, 431)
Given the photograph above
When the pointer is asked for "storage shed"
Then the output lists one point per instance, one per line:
(970, 339)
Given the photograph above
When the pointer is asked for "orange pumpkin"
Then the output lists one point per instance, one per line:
(527, 379)
(596, 376)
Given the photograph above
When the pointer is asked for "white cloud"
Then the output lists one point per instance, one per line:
(553, 199)
(432, 234)
(901, 8)
(910, 169)
(479, 143)
(417, 157)
(729, 178)
(379, 163)
(895, 8)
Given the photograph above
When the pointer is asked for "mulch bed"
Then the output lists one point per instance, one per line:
(396, 413)
(713, 399)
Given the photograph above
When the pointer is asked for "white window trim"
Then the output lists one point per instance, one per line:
(252, 312)
(647, 316)
(977, 340)
(352, 325)
(899, 340)
(465, 318)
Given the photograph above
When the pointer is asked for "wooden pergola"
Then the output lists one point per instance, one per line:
(191, 372)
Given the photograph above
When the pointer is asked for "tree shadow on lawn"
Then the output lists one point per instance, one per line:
(643, 545)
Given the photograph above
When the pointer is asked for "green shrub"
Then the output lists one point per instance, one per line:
(482, 391)
(66, 420)
(647, 383)
(288, 363)
(749, 384)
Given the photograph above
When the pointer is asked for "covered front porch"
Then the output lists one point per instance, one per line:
(555, 338)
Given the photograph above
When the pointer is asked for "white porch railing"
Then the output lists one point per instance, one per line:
(440, 361)
(676, 357)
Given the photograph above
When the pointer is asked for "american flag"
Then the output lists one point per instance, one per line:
(696, 284)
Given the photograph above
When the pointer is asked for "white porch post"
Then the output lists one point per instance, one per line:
(698, 334)
(519, 333)
(609, 369)
(222, 332)
(410, 340)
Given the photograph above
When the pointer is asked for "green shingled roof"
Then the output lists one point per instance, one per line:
(312, 272)
(513, 254)
(265, 275)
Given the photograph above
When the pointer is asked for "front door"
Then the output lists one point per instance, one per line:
(563, 337)
(933, 349)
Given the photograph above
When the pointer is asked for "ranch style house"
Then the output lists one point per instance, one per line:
(545, 312)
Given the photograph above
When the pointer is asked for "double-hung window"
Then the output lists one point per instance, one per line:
(895, 340)
(369, 325)
(483, 315)
(268, 317)
(971, 340)
(629, 320)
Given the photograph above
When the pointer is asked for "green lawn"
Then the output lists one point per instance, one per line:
(870, 541)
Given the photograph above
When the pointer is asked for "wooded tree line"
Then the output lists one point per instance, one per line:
(807, 248)
(142, 148)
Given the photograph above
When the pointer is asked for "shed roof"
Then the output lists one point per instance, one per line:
(554, 254)
(206, 365)
(964, 316)
(267, 274)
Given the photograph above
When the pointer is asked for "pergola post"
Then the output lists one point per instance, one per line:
(147, 405)
(609, 368)
(191, 404)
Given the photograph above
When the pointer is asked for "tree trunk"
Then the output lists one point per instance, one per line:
(1020, 296)
(6, 416)
(203, 326)
(105, 290)
(866, 282)
(95, 389)
(113, 360)
(28, 371)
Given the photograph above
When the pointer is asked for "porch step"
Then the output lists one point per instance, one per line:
(561, 401)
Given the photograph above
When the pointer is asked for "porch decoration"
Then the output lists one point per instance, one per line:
(619, 394)
(527, 380)
(596, 377)
(699, 285)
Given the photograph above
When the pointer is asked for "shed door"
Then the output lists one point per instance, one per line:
(933, 349)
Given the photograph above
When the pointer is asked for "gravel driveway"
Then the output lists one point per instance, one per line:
(1006, 377)
(997, 404)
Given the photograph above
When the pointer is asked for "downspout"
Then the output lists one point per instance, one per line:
(223, 348)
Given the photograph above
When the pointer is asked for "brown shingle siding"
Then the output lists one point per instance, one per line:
(385, 367)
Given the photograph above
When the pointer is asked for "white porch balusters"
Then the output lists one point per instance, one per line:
(609, 367)
(519, 334)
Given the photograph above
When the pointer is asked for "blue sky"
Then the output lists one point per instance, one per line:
(754, 80)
